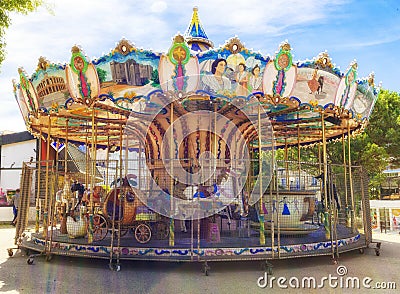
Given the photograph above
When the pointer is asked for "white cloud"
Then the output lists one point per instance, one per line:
(97, 25)
(159, 6)
(267, 17)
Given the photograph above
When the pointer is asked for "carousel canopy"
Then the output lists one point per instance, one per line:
(97, 99)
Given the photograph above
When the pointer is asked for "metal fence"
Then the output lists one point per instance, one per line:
(135, 209)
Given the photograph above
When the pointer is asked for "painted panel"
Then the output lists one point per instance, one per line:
(315, 85)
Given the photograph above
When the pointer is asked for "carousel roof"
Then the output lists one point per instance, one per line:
(195, 34)
(97, 99)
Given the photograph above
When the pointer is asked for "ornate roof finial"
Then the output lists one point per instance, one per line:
(354, 64)
(195, 34)
(323, 60)
(371, 79)
(124, 47)
(75, 49)
(43, 64)
(179, 39)
(285, 46)
(234, 45)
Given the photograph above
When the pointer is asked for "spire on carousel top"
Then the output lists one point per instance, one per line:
(195, 34)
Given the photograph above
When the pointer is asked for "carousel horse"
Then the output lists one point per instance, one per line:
(190, 193)
(196, 192)
(98, 193)
(311, 208)
(238, 202)
(120, 182)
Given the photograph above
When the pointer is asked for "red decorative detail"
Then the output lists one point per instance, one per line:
(85, 90)
(279, 84)
(179, 79)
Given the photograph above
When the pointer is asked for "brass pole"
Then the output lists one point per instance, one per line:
(93, 159)
(286, 165)
(171, 224)
(366, 221)
(215, 131)
(121, 194)
(299, 155)
(126, 166)
(272, 196)
(65, 193)
(45, 214)
(107, 160)
(87, 149)
(350, 179)
(262, 228)
(38, 182)
(92, 175)
(325, 166)
(140, 165)
(66, 150)
(215, 138)
(52, 204)
(120, 154)
(320, 165)
(348, 220)
(56, 174)
(319, 159)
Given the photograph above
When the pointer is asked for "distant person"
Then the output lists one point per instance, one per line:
(15, 205)
(80, 188)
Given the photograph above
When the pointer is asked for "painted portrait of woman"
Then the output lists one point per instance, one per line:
(217, 82)
(242, 80)
(255, 79)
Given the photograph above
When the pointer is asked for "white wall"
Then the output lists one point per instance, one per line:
(6, 214)
(17, 152)
(384, 203)
(392, 207)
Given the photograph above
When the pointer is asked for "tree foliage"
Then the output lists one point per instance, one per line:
(102, 75)
(6, 8)
(383, 128)
(375, 149)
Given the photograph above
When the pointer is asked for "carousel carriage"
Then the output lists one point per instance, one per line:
(123, 212)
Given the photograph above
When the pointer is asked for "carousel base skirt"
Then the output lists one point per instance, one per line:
(189, 248)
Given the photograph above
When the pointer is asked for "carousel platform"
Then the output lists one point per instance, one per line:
(188, 247)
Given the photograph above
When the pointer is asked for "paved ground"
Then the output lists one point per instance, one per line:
(76, 275)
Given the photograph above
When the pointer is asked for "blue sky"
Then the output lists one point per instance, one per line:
(368, 31)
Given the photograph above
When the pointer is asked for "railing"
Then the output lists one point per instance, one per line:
(122, 207)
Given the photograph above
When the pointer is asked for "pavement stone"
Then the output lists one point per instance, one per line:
(78, 275)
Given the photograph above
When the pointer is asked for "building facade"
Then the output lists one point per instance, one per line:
(131, 73)
(15, 148)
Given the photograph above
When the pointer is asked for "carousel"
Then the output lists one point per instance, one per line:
(193, 154)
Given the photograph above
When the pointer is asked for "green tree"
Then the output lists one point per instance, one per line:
(102, 75)
(383, 127)
(7, 7)
(154, 78)
(377, 147)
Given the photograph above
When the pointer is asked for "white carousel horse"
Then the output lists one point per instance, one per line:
(188, 194)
